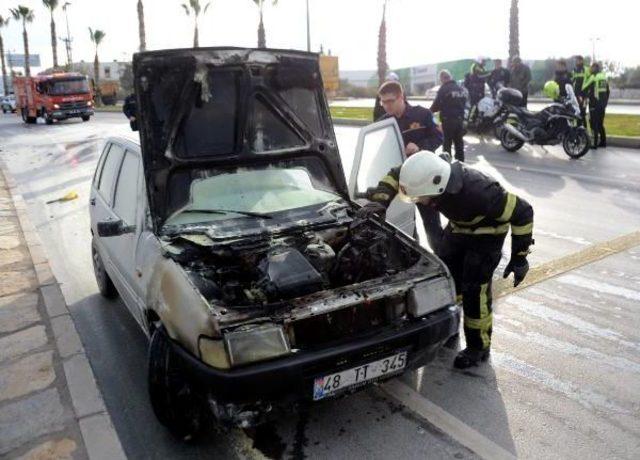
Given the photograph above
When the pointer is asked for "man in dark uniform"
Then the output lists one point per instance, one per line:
(419, 132)
(480, 212)
(475, 81)
(450, 102)
(596, 86)
(130, 110)
(499, 78)
(578, 77)
(378, 110)
(562, 78)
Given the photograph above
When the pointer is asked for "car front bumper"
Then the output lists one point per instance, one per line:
(74, 113)
(292, 377)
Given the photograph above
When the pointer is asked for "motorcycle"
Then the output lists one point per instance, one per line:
(558, 123)
(487, 116)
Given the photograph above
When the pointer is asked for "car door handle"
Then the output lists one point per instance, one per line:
(139, 273)
(92, 201)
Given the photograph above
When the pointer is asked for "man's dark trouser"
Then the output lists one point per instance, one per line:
(453, 131)
(525, 97)
(582, 103)
(472, 261)
(432, 226)
(596, 117)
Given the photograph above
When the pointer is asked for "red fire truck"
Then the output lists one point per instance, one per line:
(56, 96)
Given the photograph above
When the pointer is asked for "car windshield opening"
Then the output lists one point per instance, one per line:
(65, 87)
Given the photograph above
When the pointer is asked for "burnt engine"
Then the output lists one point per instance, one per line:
(270, 272)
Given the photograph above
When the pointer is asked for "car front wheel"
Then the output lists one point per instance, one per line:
(173, 399)
(105, 285)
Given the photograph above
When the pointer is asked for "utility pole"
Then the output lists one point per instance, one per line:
(593, 47)
(67, 41)
(308, 30)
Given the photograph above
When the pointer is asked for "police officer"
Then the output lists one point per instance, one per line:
(596, 87)
(562, 78)
(480, 212)
(419, 132)
(130, 110)
(499, 78)
(578, 77)
(450, 102)
(476, 78)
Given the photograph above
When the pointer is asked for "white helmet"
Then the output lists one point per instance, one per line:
(392, 76)
(423, 174)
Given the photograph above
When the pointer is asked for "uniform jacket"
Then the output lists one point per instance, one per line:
(596, 87)
(475, 204)
(500, 75)
(417, 126)
(562, 78)
(578, 77)
(450, 101)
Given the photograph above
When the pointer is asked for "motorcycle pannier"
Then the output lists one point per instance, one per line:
(510, 96)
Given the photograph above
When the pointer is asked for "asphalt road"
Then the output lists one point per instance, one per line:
(626, 109)
(564, 379)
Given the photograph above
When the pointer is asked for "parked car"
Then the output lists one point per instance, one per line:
(8, 103)
(229, 231)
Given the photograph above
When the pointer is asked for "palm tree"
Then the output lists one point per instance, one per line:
(24, 14)
(514, 34)
(262, 42)
(96, 38)
(52, 5)
(141, 31)
(383, 67)
(195, 7)
(5, 84)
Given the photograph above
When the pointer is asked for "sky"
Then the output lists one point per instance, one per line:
(418, 31)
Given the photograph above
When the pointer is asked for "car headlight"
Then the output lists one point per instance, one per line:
(430, 295)
(89, 103)
(213, 353)
(256, 344)
(56, 106)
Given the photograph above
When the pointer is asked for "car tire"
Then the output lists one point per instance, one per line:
(86, 118)
(173, 399)
(48, 119)
(4, 110)
(105, 285)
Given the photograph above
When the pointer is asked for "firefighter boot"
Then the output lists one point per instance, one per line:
(470, 357)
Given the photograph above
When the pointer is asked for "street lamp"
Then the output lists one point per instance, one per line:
(593, 41)
(308, 30)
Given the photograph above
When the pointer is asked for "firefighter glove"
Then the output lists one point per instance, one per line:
(371, 208)
(519, 267)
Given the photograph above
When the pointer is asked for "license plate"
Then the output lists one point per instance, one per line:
(357, 376)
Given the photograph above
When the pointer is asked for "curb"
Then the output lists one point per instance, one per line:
(99, 436)
(612, 141)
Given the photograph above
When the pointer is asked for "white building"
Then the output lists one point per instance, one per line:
(108, 70)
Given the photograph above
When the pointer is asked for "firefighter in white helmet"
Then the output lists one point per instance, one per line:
(480, 212)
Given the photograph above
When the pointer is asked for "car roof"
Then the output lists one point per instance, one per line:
(131, 143)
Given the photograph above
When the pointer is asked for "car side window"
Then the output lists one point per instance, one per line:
(126, 198)
(103, 157)
(110, 172)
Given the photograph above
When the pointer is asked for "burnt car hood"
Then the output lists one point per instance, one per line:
(197, 112)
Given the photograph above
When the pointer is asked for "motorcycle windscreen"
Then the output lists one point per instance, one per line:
(379, 149)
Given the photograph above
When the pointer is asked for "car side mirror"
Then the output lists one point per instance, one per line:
(114, 228)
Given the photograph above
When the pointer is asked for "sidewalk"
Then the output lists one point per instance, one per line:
(50, 405)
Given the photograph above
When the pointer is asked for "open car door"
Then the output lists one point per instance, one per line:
(379, 149)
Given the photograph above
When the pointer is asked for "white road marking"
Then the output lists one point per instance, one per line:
(446, 422)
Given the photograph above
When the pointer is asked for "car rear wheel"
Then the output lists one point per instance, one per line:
(48, 119)
(85, 117)
(105, 285)
(172, 397)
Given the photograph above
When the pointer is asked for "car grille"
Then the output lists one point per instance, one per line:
(316, 331)
(73, 105)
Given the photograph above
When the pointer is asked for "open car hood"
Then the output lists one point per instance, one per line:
(206, 109)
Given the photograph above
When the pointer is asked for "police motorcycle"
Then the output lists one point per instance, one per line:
(558, 123)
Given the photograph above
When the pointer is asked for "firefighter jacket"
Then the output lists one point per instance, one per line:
(450, 101)
(596, 87)
(475, 204)
(578, 77)
(417, 125)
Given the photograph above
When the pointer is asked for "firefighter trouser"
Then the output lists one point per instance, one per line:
(596, 117)
(472, 259)
(453, 132)
(432, 226)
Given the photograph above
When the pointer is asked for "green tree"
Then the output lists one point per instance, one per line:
(196, 9)
(26, 15)
(383, 67)
(262, 41)
(3, 23)
(52, 5)
(141, 29)
(96, 37)
(514, 31)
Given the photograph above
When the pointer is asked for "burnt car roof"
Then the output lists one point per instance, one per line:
(198, 108)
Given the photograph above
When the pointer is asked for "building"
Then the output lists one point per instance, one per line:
(107, 70)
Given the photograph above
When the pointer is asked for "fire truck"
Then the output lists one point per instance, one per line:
(56, 96)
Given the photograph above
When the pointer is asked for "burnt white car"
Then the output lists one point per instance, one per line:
(230, 232)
